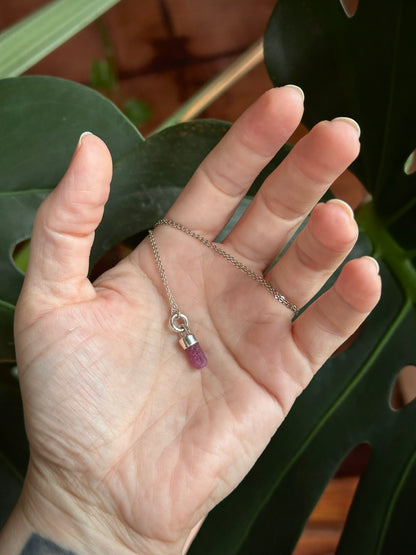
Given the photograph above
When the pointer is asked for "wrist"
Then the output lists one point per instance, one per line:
(76, 526)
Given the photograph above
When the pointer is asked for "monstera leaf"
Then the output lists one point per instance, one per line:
(42, 119)
(359, 67)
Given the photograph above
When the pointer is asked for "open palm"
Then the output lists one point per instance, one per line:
(116, 417)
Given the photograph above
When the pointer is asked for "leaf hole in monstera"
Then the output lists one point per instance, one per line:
(20, 254)
(410, 164)
(404, 388)
(350, 6)
(356, 461)
(326, 522)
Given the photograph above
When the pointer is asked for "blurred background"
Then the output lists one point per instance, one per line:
(160, 52)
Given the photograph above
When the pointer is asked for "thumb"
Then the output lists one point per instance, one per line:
(63, 231)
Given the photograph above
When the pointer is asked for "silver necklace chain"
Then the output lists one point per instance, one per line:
(174, 309)
(227, 256)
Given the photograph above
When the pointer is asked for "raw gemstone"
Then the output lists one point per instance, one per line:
(196, 356)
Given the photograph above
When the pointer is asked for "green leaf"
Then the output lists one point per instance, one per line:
(10, 488)
(21, 255)
(137, 111)
(33, 38)
(42, 119)
(14, 449)
(102, 76)
(13, 442)
(6, 331)
(359, 67)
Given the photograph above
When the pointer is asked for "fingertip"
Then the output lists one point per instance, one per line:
(285, 102)
(88, 141)
(82, 136)
(274, 116)
(333, 225)
(339, 143)
(350, 121)
(375, 267)
(359, 284)
(344, 206)
(92, 160)
(348, 133)
(298, 90)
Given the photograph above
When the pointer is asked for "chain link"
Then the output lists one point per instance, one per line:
(227, 256)
(174, 309)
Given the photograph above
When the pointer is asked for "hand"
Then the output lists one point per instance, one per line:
(129, 444)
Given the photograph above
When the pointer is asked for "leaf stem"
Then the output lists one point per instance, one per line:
(399, 213)
(217, 86)
(386, 248)
(7, 306)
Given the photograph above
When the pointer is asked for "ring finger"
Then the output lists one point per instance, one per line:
(316, 252)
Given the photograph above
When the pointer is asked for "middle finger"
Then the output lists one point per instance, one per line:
(291, 191)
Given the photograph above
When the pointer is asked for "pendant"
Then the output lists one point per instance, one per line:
(193, 351)
(188, 341)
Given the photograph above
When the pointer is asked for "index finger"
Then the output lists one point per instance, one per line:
(221, 181)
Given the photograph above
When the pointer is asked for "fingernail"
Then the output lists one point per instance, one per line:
(82, 136)
(346, 206)
(351, 122)
(298, 89)
(375, 263)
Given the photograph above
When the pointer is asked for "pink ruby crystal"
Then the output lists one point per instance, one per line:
(196, 356)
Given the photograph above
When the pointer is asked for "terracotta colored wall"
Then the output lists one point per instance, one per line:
(165, 49)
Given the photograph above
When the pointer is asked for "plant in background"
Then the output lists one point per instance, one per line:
(35, 37)
(360, 66)
(104, 77)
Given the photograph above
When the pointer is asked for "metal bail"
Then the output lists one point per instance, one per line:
(183, 322)
(187, 341)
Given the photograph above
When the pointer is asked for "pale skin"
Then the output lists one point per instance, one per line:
(130, 446)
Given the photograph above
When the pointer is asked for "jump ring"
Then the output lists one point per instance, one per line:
(174, 326)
